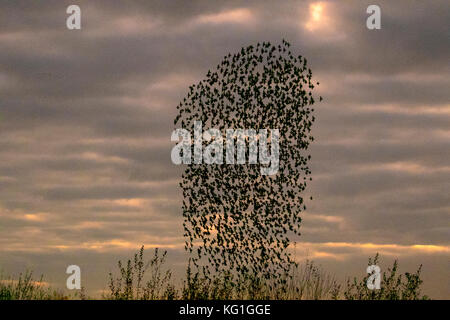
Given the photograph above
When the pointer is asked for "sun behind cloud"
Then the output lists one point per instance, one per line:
(318, 20)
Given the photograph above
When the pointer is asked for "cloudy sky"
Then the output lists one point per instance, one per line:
(86, 116)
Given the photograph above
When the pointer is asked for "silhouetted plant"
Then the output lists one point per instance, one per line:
(139, 279)
(311, 282)
(393, 286)
(133, 284)
(25, 287)
(307, 281)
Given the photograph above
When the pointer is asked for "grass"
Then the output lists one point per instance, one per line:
(141, 279)
(25, 287)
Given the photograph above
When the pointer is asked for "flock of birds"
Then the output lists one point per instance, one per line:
(235, 219)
